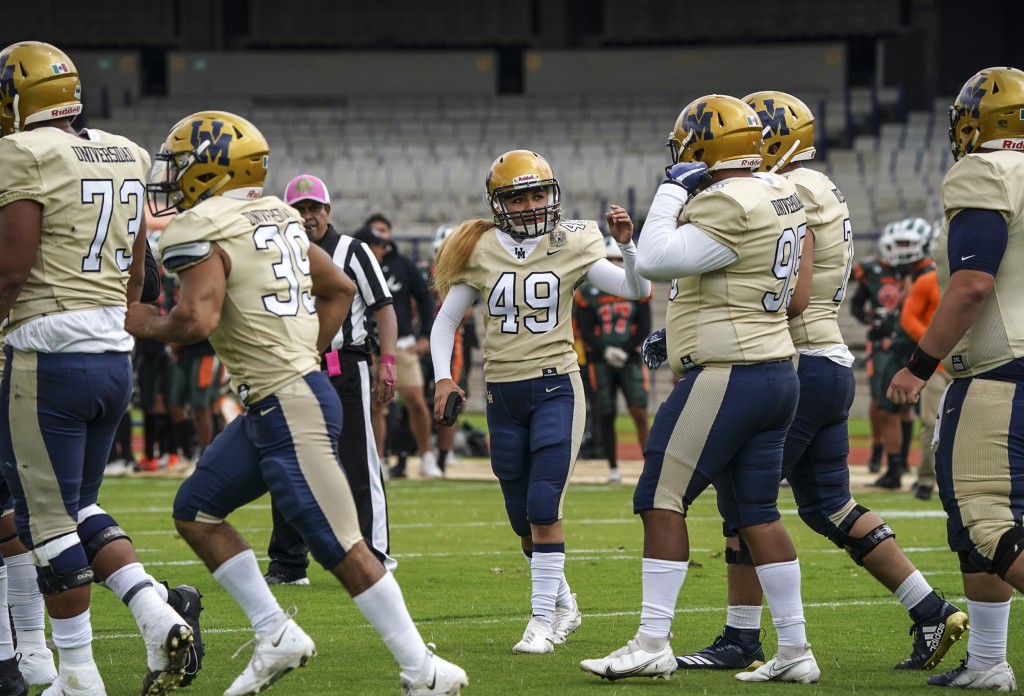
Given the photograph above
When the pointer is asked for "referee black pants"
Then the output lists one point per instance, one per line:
(358, 454)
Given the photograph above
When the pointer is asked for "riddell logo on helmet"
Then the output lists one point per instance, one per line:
(755, 162)
(1015, 144)
(66, 111)
(525, 179)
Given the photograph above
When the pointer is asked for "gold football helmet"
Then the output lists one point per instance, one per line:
(210, 153)
(720, 131)
(517, 172)
(38, 82)
(788, 134)
(988, 113)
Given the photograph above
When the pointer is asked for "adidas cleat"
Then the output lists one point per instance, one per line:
(723, 654)
(934, 636)
(565, 621)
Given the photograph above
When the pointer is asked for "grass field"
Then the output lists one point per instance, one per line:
(468, 587)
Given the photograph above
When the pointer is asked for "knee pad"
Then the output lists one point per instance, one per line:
(740, 557)
(61, 565)
(1010, 545)
(96, 529)
(858, 548)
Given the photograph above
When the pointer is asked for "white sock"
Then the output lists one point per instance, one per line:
(6, 639)
(662, 581)
(912, 590)
(744, 617)
(384, 607)
(546, 572)
(240, 575)
(986, 641)
(26, 603)
(73, 638)
(781, 585)
(122, 580)
(564, 596)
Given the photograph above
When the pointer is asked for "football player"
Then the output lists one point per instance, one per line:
(270, 303)
(817, 444)
(612, 329)
(729, 241)
(977, 333)
(525, 263)
(72, 255)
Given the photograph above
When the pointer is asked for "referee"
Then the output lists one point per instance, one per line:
(348, 365)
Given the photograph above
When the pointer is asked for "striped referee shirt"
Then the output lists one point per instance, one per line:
(372, 292)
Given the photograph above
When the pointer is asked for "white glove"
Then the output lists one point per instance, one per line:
(615, 357)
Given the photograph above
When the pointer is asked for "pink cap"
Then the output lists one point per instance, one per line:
(306, 187)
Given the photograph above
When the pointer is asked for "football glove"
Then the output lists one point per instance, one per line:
(655, 349)
(878, 331)
(615, 357)
(689, 175)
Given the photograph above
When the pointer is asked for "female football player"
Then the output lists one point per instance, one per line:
(525, 263)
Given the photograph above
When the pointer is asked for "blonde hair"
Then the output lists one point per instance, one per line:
(455, 252)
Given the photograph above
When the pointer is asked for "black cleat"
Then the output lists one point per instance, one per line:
(12, 683)
(187, 601)
(887, 480)
(923, 492)
(934, 636)
(723, 654)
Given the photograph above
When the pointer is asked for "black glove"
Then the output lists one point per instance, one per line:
(878, 331)
(655, 349)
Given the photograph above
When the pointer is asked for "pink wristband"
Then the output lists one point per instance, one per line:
(387, 359)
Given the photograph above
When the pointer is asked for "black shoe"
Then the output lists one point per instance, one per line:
(887, 480)
(723, 654)
(12, 683)
(934, 636)
(273, 578)
(875, 465)
(397, 472)
(923, 492)
(187, 601)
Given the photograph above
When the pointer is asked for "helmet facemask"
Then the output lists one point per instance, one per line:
(163, 185)
(529, 222)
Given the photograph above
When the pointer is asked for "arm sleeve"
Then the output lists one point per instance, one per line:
(858, 305)
(977, 241)
(585, 323)
(668, 251)
(151, 285)
(639, 287)
(643, 327)
(914, 311)
(423, 299)
(442, 334)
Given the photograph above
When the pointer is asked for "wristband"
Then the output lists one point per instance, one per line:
(387, 359)
(922, 365)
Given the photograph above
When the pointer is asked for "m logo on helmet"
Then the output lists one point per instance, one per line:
(699, 121)
(7, 91)
(219, 143)
(970, 97)
(773, 119)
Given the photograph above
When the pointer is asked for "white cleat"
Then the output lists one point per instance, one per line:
(429, 467)
(168, 639)
(276, 653)
(633, 661)
(442, 679)
(565, 621)
(77, 681)
(999, 678)
(538, 638)
(802, 669)
(37, 666)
